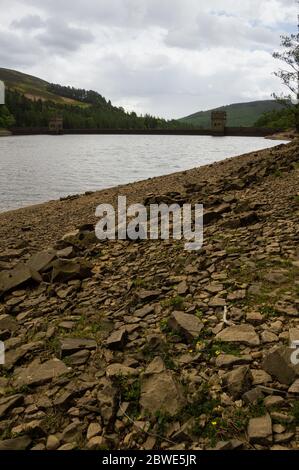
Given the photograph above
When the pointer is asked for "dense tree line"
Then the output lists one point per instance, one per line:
(278, 119)
(6, 118)
(36, 113)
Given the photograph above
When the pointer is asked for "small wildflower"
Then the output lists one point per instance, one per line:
(214, 423)
(217, 353)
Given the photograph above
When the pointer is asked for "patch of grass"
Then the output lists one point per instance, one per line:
(164, 325)
(268, 311)
(295, 412)
(139, 282)
(225, 348)
(129, 390)
(53, 422)
(53, 346)
(176, 302)
(163, 420)
(257, 409)
(199, 314)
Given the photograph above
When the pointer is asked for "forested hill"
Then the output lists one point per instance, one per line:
(238, 114)
(30, 102)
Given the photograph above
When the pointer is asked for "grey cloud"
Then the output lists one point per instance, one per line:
(212, 30)
(15, 52)
(28, 22)
(60, 36)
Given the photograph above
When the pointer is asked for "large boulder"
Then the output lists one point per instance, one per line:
(278, 364)
(260, 430)
(160, 392)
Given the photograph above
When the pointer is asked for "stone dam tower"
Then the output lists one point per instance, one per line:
(218, 122)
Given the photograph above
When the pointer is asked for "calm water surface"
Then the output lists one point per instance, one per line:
(35, 169)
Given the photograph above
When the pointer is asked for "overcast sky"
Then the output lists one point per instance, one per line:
(166, 57)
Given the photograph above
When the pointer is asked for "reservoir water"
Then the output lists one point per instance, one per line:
(36, 169)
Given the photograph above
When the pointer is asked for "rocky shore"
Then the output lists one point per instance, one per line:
(142, 345)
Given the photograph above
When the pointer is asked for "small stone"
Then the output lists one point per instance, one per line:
(94, 429)
(69, 446)
(284, 437)
(117, 340)
(278, 428)
(273, 401)
(188, 325)
(268, 337)
(253, 395)
(238, 381)
(182, 288)
(71, 433)
(294, 388)
(255, 318)
(52, 442)
(282, 417)
(260, 377)
(97, 443)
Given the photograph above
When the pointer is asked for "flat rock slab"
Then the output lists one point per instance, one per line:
(7, 322)
(37, 373)
(229, 360)
(116, 370)
(148, 295)
(10, 402)
(72, 345)
(260, 430)
(239, 334)
(14, 278)
(41, 260)
(186, 324)
(19, 443)
(144, 311)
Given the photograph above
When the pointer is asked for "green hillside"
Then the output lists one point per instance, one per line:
(31, 102)
(32, 87)
(239, 114)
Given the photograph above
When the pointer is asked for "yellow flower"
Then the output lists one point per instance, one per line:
(217, 353)
(214, 423)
